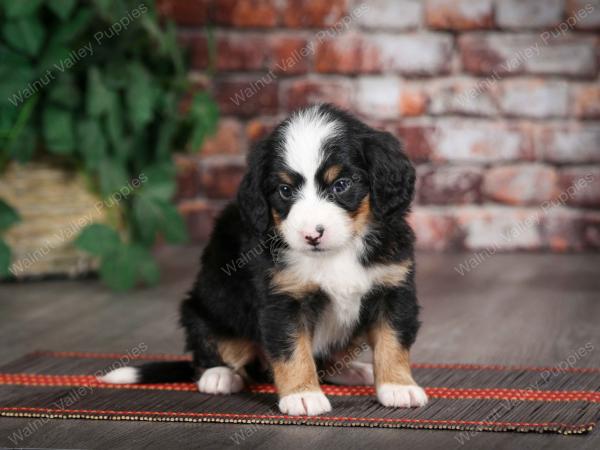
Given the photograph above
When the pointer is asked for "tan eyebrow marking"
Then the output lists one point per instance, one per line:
(285, 177)
(332, 173)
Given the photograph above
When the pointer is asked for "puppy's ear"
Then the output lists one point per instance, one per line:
(391, 174)
(251, 197)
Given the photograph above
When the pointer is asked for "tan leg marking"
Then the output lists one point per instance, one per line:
(299, 372)
(391, 362)
(236, 353)
(394, 383)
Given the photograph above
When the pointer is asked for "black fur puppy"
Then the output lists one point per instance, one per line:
(314, 259)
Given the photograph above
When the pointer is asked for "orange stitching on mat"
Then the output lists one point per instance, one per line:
(164, 357)
(266, 416)
(26, 379)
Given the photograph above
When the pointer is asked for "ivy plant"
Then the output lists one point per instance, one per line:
(101, 84)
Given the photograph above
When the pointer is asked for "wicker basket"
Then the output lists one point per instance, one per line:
(55, 204)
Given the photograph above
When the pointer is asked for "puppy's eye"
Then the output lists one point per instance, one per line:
(285, 191)
(341, 185)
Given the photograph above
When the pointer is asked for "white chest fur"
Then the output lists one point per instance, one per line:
(345, 280)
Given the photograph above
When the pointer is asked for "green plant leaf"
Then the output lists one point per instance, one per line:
(92, 143)
(26, 34)
(173, 226)
(58, 130)
(98, 239)
(15, 74)
(52, 59)
(114, 119)
(154, 216)
(160, 182)
(64, 92)
(5, 259)
(146, 268)
(113, 176)
(22, 147)
(140, 96)
(119, 268)
(8, 216)
(98, 96)
(62, 8)
(71, 29)
(204, 116)
(149, 271)
(21, 8)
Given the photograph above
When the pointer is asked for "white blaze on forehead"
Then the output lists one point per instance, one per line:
(303, 141)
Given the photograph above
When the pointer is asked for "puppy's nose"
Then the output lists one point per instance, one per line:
(314, 237)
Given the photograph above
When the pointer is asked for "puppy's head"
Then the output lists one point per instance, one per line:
(323, 178)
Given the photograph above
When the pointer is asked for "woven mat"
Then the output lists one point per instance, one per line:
(62, 385)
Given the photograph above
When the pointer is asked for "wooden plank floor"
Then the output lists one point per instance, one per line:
(512, 309)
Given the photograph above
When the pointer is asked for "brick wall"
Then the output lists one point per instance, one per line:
(498, 103)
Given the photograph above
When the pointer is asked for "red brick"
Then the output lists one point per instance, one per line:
(246, 13)
(188, 177)
(565, 229)
(349, 53)
(221, 176)
(303, 92)
(495, 228)
(591, 230)
(584, 14)
(199, 215)
(388, 98)
(313, 13)
(475, 141)
(523, 184)
(422, 54)
(416, 141)
(290, 55)
(459, 14)
(585, 100)
(498, 54)
(241, 52)
(444, 185)
(196, 44)
(247, 97)
(435, 230)
(466, 96)
(520, 14)
(580, 186)
(226, 140)
(185, 12)
(259, 128)
(537, 98)
(578, 143)
(396, 15)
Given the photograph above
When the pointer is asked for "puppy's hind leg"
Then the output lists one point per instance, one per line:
(227, 378)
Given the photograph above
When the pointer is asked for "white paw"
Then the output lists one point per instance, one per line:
(356, 373)
(304, 404)
(220, 380)
(401, 396)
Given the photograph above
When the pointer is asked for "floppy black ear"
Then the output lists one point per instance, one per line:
(391, 174)
(251, 197)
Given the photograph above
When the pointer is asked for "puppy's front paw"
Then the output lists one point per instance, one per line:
(220, 380)
(401, 396)
(304, 404)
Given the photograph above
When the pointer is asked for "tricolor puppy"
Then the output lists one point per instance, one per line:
(314, 259)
